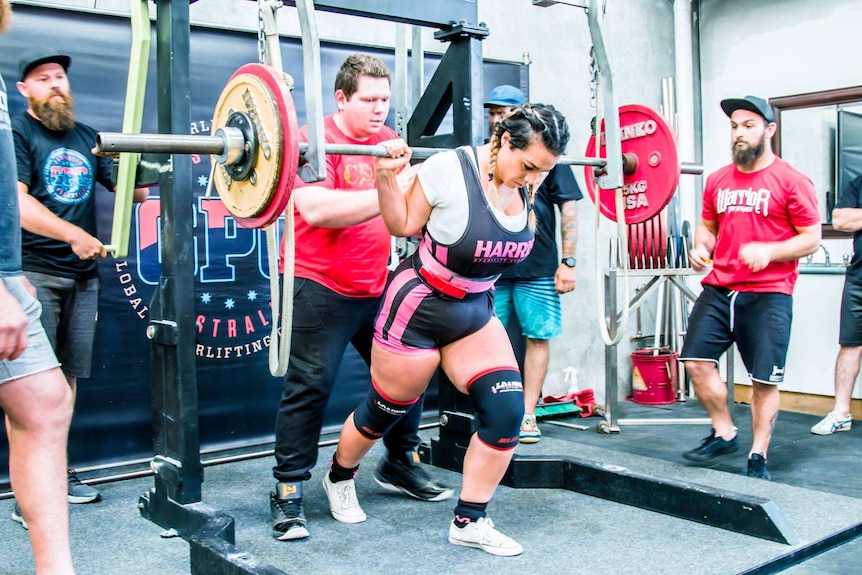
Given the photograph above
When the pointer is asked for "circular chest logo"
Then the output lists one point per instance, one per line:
(68, 176)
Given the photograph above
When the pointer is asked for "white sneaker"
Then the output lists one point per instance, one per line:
(482, 535)
(343, 503)
(529, 432)
(832, 423)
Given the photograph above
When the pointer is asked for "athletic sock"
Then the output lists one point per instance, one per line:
(338, 473)
(467, 512)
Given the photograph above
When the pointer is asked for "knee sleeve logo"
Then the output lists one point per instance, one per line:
(506, 386)
(389, 409)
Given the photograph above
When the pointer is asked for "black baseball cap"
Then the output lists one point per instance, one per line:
(39, 56)
(750, 103)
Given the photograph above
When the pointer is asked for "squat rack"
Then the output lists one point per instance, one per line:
(175, 500)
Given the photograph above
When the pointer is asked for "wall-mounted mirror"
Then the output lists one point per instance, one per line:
(820, 133)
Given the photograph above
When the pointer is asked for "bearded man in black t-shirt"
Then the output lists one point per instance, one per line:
(57, 176)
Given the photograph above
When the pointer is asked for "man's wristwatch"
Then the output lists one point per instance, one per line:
(568, 262)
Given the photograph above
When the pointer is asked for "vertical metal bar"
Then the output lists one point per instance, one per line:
(611, 351)
(613, 144)
(175, 390)
(400, 91)
(475, 105)
(133, 113)
(315, 169)
(417, 68)
(268, 9)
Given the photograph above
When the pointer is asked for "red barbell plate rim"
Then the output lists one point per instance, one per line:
(290, 144)
(606, 208)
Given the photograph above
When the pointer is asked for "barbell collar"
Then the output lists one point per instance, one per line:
(234, 146)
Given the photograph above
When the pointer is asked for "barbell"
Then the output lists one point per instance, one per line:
(256, 152)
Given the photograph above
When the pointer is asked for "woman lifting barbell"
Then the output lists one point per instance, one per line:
(472, 207)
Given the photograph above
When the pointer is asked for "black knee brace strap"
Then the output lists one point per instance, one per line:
(376, 416)
(498, 398)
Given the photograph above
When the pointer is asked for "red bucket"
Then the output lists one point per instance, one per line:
(654, 376)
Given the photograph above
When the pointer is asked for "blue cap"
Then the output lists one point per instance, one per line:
(750, 103)
(506, 95)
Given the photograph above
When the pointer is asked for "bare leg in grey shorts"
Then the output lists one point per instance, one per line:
(38, 406)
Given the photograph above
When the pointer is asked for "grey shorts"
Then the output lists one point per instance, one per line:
(38, 356)
(69, 314)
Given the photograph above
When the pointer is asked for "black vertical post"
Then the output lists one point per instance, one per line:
(175, 400)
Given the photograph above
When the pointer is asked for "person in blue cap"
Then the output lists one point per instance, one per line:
(531, 289)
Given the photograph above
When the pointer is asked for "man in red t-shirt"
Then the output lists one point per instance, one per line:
(342, 248)
(760, 215)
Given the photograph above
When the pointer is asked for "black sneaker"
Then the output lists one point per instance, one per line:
(757, 467)
(405, 474)
(80, 492)
(711, 447)
(288, 518)
(18, 517)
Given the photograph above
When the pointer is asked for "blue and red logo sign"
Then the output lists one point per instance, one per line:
(68, 176)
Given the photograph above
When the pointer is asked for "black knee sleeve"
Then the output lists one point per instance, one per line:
(376, 416)
(498, 398)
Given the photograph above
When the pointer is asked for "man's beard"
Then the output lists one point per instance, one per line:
(55, 115)
(5, 15)
(749, 155)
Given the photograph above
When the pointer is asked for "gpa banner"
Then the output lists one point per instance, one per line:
(237, 395)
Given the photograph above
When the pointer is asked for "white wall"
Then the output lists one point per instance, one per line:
(772, 48)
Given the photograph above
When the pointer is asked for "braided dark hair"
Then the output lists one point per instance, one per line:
(524, 123)
(527, 121)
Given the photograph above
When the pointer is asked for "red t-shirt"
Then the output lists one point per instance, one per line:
(764, 206)
(349, 261)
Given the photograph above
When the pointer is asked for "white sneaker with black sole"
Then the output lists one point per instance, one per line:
(482, 535)
(343, 503)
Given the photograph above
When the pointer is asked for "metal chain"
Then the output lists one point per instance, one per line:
(594, 79)
(261, 35)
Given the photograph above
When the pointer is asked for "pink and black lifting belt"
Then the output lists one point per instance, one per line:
(444, 280)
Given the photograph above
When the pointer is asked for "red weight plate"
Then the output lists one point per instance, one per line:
(651, 186)
(288, 134)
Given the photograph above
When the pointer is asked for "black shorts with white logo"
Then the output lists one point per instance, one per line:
(759, 324)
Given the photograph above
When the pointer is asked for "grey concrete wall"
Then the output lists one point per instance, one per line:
(640, 43)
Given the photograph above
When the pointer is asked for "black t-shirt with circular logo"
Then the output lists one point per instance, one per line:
(61, 172)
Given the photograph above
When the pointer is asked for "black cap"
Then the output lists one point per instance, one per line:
(39, 56)
(750, 103)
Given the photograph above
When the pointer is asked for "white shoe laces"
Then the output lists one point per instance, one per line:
(488, 534)
(346, 494)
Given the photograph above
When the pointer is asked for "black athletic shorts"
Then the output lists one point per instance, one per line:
(850, 332)
(759, 324)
